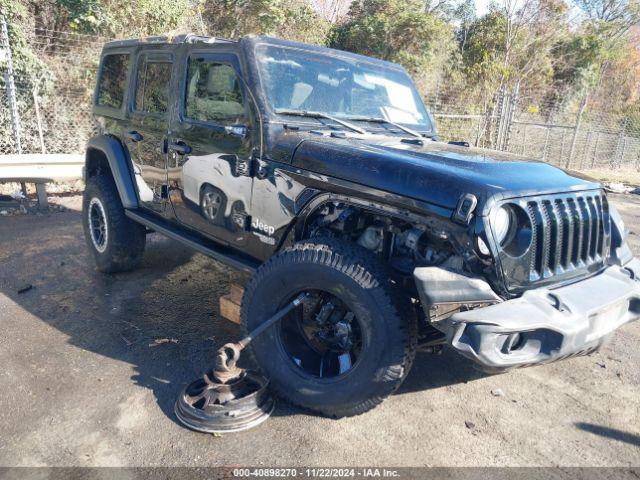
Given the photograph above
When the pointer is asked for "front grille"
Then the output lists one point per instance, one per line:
(570, 237)
(568, 234)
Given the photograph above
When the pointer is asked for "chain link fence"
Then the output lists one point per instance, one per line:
(59, 119)
(567, 135)
(57, 123)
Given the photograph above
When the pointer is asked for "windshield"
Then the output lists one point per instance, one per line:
(342, 87)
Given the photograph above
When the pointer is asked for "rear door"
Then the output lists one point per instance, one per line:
(210, 148)
(146, 132)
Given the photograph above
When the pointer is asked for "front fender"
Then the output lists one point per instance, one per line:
(107, 148)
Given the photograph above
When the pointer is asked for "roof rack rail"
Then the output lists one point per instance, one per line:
(182, 38)
(193, 38)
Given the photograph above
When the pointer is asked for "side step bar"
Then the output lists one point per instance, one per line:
(218, 252)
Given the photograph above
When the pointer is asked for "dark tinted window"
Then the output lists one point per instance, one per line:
(113, 76)
(152, 86)
(213, 92)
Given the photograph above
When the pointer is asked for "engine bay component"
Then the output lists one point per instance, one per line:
(371, 239)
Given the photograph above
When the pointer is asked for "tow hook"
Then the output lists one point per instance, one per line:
(229, 398)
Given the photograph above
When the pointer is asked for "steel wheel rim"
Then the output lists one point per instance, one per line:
(316, 350)
(211, 202)
(98, 227)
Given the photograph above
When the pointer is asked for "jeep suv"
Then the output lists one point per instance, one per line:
(320, 172)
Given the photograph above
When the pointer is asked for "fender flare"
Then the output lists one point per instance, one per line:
(119, 163)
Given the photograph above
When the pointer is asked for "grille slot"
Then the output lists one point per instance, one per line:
(569, 233)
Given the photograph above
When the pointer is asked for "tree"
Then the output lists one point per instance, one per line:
(401, 31)
(290, 19)
(612, 17)
(514, 44)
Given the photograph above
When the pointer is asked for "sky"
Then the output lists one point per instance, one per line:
(482, 6)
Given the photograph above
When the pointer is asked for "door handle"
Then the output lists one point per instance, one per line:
(133, 136)
(180, 148)
(239, 131)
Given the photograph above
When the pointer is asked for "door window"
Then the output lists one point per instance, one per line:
(213, 93)
(152, 86)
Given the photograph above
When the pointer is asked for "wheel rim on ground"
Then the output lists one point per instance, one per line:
(323, 338)
(210, 407)
(98, 225)
(211, 204)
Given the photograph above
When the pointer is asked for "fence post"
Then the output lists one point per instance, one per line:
(576, 129)
(475, 144)
(595, 150)
(619, 153)
(513, 103)
(585, 150)
(502, 106)
(11, 88)
(546, 143)
(38, 118)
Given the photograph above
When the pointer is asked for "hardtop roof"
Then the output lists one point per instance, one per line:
(250, 40)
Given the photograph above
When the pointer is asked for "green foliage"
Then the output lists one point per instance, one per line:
(400, 31)
(28, 68)
(581, 54)
(484, 54)
(443, 44)
(289, 19)
(84, 15)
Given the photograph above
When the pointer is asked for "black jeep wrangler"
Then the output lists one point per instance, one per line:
(321, 172)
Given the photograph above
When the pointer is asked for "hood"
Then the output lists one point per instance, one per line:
(435, 172)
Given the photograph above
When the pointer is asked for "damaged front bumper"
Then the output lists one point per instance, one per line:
(544, 324)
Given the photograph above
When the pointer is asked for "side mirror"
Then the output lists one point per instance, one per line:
(459, 143)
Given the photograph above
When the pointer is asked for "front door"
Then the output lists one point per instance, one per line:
(146, 132)
(210, 150)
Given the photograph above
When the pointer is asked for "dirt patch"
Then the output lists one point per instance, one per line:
(82, 385)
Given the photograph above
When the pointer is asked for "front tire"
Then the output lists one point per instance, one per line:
(363, 352)
(116, 242)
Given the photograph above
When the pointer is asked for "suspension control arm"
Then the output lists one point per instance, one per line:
(229, 354)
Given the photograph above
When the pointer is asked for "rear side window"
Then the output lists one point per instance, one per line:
(113, 76)
(152, 86)
(213, 92)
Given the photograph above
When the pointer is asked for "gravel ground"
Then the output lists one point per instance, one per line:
(83, 383)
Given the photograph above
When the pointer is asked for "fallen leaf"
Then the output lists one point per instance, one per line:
(160, 341)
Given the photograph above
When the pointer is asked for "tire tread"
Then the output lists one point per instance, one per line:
(369, 273)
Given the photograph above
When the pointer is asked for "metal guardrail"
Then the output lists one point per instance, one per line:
(46, 166)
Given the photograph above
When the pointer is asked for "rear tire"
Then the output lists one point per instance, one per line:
(361, 285)
(116, 242)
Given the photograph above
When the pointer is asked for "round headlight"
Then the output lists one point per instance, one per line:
(501, 223)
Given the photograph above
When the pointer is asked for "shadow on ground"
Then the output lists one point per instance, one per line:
(612, 433)
(162, 318)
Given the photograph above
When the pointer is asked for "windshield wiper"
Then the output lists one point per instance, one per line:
(304, 113)
(408, 130)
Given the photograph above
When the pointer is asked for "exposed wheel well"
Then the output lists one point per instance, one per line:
(96, 163)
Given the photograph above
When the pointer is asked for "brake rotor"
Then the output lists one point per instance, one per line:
(208, 406)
